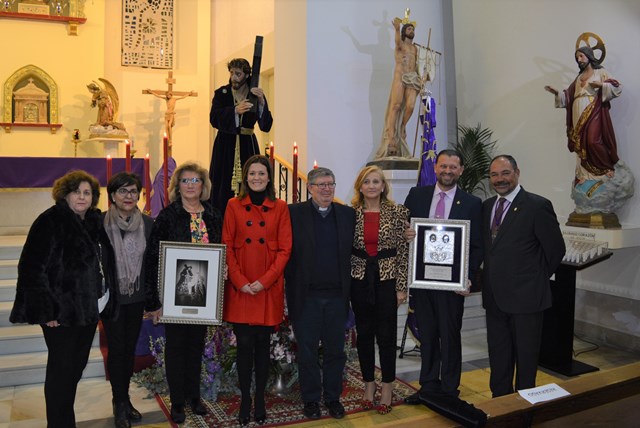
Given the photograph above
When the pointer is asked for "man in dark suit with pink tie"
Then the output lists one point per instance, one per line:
(523, 246)
(439, 313)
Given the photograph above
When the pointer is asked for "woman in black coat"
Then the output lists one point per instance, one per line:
(65, 267)
(189, 218)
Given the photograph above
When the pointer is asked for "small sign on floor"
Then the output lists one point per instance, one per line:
(542, 393)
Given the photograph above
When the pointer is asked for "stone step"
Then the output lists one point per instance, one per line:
(11, 246)
(30, 368)
(5, 311)
(8, 269)
(7, 290)
(24, 338)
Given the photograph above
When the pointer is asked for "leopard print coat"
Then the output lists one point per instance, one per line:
(390, 237)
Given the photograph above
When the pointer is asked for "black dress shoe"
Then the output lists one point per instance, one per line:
(197, 407)
(312, 410)
(120, 415)
(336, 410)
(132, 413)
(413, 399)
(177, 413)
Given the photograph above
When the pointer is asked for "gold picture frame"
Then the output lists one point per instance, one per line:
(191, 282)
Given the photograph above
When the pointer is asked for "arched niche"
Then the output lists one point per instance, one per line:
(30, 76)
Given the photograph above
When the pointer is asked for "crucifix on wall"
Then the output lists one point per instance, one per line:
(171, 97)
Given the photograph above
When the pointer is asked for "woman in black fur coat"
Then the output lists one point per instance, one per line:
(65, 267)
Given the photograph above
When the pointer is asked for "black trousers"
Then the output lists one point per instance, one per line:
(122, 337)
(439, 318)
(253, 353)
(68, 355)
(514, 342)
(183, 359)
(376, 320)
(322, 320)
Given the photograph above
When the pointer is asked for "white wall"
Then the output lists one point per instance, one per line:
(506, 51)
(349, 62)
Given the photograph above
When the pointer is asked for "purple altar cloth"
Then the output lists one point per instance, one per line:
(27, 172)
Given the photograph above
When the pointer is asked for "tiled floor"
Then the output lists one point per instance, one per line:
(23, 407)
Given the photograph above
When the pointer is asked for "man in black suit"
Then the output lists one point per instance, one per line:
(318, 278)
(438, 312)
(523, 246)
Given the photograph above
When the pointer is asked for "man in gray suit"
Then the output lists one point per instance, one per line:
(523, 246)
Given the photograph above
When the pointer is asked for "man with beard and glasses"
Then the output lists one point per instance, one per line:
(589, 128)
(232, 115)
(523, 246)
(405, 86)
(438, 312)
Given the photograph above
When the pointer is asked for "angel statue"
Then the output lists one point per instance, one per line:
(107, 101)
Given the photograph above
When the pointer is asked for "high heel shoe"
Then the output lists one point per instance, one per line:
(369, 389)
(386, 393)
(260, 413)
(245, 411)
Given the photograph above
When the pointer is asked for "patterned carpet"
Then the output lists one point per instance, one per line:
(286, 410)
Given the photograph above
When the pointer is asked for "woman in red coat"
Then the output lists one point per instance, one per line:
(257, 232)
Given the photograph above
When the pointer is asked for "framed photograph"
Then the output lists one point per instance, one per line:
(439, 254)
(191, 281)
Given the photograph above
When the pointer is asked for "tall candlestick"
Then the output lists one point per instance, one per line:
(272, 159)
(127, 158)
(294, 187)
(147, 186)
(165, 169)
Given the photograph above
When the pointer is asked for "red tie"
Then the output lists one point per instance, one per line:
(497, 217)
(440, 206)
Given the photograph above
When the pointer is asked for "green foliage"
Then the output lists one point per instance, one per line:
(477, 150)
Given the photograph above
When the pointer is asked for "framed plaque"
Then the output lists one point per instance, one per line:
(191, 281)
(439, 254)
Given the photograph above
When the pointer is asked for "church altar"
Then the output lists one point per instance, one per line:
(37, 172)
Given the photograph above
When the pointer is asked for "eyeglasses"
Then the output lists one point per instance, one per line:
(124, 192)
(193, 180)
(324, 185)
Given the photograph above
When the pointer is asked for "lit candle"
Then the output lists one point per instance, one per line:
(147, 186)
(272, 159)
(127, 159)
(165, 169)
(315, 164)
(294, 187)
(109, 165)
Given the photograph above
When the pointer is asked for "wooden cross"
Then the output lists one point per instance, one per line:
(171, 97)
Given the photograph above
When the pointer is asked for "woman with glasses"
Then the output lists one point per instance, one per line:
(379, 268)
(128, 230)
(189, 218)
(257, 232)
(65, 280)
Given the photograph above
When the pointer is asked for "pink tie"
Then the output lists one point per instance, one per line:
(440, 206)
